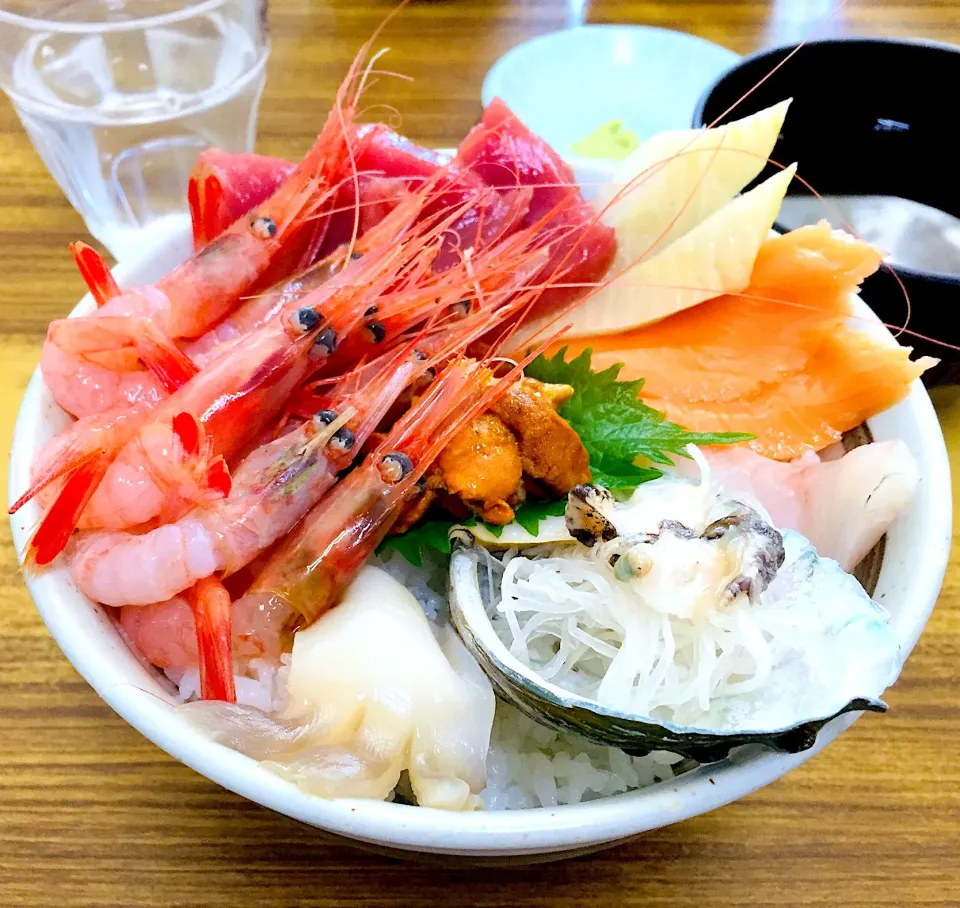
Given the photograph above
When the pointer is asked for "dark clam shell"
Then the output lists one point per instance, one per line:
(636, 736)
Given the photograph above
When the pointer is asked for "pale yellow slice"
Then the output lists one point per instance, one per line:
(713, 258)
(676, 179)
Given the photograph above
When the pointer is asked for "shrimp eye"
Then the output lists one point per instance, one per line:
(343, 440)
(326, 340)
(263, 228)
(355, 255)
(420, 355)
(376, 332)
(395, 467)
(305, 319)
(373, 310)
(423, 381)
(325, 417)
(461, 309)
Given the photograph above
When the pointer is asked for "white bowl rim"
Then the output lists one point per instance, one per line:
(495, 75)
(487, 833)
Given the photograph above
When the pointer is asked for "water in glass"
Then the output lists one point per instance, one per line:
(120, 96)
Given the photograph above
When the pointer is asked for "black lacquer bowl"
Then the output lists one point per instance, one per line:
(871, 117)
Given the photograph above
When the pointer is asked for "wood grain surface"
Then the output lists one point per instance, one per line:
(92, 814)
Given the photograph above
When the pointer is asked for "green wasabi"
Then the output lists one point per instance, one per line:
(612, 141)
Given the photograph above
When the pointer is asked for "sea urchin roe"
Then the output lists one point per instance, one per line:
(550, 449)
(481, 466)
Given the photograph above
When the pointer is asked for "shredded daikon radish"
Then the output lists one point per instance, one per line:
(666, 644)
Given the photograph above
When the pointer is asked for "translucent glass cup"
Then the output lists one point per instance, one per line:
(120, 96)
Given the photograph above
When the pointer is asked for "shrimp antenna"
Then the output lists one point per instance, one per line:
(368, 69)
(836, 10)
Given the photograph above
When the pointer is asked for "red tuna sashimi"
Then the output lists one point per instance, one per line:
(504, 153)
(393, 155)
(225, 186)
(387, 164)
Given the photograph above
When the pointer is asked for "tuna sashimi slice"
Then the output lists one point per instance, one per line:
(504, 153)
(224, 186)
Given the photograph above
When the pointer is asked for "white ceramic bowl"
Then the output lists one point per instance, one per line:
(566, 84)
(913, 569)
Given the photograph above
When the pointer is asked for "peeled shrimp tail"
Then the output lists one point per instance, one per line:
(84, 440)
(162, 473)
(51, 536)
(211, 609)
(70, 469)
(95, 364)
(95, 273)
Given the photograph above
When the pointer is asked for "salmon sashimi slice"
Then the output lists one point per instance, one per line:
(710, 352)
(783, 361)
(851, 378)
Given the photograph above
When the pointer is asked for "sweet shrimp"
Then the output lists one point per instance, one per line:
(342, 262)
(128, 466)
(139, 463)
(271, 490)
(307, 573)
(280, 236)
(273, 487)
(230, 401)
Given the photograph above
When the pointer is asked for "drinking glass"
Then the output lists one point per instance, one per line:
(120, 96)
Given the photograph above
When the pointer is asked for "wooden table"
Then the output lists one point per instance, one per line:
(92, 814)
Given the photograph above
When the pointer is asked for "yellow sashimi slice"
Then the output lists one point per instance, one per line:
(714, 258)
(677, 179)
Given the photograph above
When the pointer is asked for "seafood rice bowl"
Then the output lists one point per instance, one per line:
(472, 504)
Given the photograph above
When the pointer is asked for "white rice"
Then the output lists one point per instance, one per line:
(529, 765)
(262, 687)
